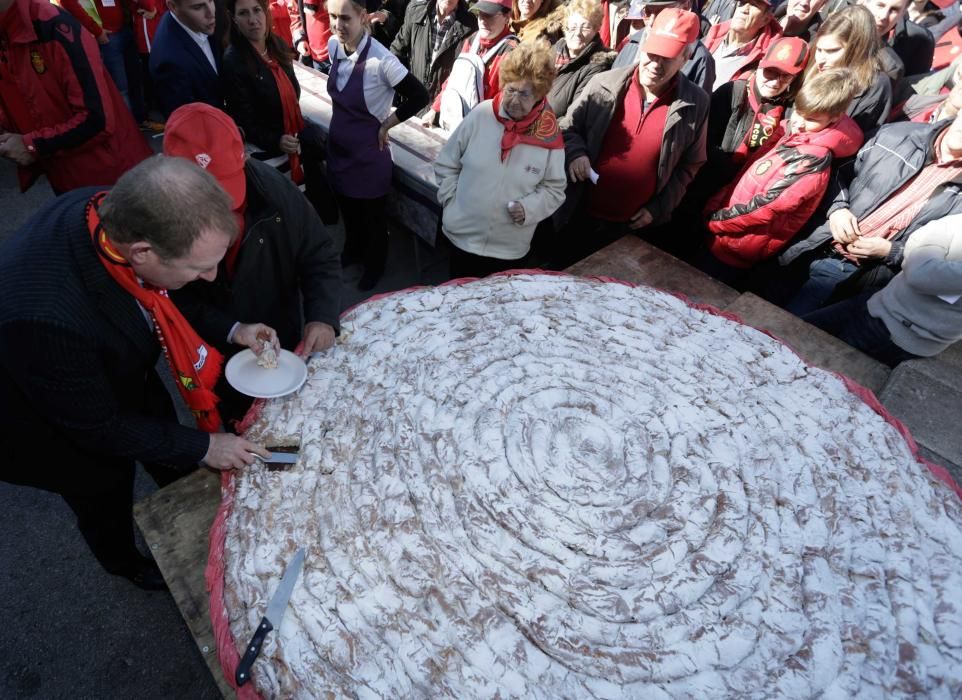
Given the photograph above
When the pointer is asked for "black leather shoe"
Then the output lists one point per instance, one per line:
(143, 573)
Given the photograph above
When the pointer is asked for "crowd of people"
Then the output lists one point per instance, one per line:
(809, 151)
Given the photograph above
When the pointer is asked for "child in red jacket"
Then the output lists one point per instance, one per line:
(778, 190)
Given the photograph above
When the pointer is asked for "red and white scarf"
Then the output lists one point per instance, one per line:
(195, 364)
(538, 128)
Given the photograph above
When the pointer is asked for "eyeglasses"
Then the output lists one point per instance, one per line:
(775, 74)
(520, 94)
(582, 29)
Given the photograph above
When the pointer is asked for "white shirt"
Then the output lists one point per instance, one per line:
(201, 40)
(382, 72)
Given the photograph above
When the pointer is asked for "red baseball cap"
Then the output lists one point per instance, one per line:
(208, 137)
(672, 30)
(788, 54)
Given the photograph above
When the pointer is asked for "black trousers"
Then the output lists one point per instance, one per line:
(365, 228)
(98, 488)
(316, 188)
(464, 264)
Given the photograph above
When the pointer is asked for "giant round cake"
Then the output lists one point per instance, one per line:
(545, 486)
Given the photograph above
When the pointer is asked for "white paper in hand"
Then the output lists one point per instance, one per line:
(593, 176)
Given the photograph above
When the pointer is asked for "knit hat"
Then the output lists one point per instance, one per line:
(672, 30)
(491, 7)
(208, 137)
(788, 54)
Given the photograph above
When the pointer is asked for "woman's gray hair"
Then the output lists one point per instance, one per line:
(167, 202)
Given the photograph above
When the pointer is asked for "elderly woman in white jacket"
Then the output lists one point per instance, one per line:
(502, 170)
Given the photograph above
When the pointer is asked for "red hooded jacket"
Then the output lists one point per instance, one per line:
(771, 31)
(55, 91)
(775, 193)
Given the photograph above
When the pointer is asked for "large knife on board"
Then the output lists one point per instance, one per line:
(272, 618)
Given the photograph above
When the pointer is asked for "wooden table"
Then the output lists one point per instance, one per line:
(175, 520)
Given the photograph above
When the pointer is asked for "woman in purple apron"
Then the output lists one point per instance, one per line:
(363, 79)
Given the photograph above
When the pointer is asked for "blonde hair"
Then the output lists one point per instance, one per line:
(532, 61)
(591, 10)
(854, 28)
(829, 92)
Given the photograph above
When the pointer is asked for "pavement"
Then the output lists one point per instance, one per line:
(73, 631)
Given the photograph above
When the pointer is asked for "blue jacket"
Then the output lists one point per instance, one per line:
(180, 70)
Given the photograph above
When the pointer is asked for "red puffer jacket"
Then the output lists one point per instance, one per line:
(771, 31)
(55, 91)
(776, 193)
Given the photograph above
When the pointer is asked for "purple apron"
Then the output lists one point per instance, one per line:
(355, 166)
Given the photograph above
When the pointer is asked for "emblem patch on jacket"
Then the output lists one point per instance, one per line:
(36, 60)
(763, 167)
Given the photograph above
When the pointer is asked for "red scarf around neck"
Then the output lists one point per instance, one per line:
(293, 119)
(538, 128)
(766, 123)
(194, 363)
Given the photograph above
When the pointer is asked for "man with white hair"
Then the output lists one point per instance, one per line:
(634, 139)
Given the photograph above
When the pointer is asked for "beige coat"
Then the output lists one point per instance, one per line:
(475, 186)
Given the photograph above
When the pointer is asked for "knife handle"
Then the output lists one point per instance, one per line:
(243, 673)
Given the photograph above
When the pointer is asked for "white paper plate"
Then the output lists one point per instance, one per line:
(244, 374)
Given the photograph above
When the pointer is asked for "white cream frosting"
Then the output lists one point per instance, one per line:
(546, 487)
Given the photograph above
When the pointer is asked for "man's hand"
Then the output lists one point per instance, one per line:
(427, 121)
(869, 248)
(303, 48)
(253, 335)
(379, 17)
(289, 144)
(844, 226)
(516, 212)
(103, 39)
(579, 169)
(229, 451)
(386, 126)
(640, 219)
(317, 337)
(13, 148)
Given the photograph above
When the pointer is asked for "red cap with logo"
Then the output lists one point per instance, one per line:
(208, 137)
(672, 30)
(788, 54)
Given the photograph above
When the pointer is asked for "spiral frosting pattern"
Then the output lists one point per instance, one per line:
(545, 486)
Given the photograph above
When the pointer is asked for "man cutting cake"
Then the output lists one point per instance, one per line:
(84, 316)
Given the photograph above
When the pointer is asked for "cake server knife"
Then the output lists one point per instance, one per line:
(278, 458)
(272, 618)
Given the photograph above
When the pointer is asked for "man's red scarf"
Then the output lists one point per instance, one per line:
(293, 119)
(538, 128)
(765, 126)
(194, 363)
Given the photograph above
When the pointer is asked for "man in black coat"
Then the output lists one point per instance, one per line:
(80, 400)
(430, 39)
(907, 48)
(185, 58)
(283, 269)
(905, 176)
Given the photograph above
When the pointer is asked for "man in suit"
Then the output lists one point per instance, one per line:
(185, 59)
(84, 316)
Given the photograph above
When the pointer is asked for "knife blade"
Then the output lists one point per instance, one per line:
(279, 458)
(272, 618)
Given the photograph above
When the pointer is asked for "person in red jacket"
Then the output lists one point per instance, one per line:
(311, 32)
(778, 190)
(111, 23)
(60, 112)
(739, 44)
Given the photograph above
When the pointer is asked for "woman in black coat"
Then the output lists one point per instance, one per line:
(579, 55)
(262, 91)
